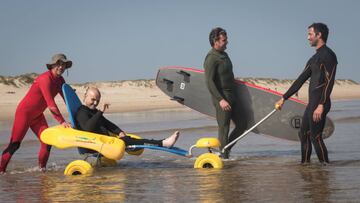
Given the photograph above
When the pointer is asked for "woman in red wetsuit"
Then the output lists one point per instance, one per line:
(29, 113)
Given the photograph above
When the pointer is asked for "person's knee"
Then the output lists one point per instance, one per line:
(224, 122)
(13, 146)
(239, 126)
(316, 138)
(303, 135)
(127, 139)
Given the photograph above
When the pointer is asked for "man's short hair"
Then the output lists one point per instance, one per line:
(215, 34)
(320, 27)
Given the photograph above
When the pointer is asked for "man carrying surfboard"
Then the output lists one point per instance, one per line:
(89, 118)
(220, 81)
(29, 113)
(321, 69)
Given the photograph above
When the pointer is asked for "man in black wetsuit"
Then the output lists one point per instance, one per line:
(321, 69)
(90, 119)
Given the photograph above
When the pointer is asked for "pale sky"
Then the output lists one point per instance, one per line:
(126, 40)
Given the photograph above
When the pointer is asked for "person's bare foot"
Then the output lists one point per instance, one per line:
(170, 141)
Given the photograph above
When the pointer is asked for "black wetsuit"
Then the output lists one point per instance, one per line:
(92, 120)
(321, 68)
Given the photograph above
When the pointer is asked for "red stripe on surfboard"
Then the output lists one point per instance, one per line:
(238, 81)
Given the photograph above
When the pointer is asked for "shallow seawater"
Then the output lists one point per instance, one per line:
(261, 168)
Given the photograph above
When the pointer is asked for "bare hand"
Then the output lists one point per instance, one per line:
(122, 134)
(66, 124)
(279, 104)
(105, 106)
(318, 112)
(225, 105)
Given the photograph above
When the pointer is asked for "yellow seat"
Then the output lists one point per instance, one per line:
(207, 142)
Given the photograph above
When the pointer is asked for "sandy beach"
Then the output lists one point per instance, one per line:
(122, 96)
(141, 95)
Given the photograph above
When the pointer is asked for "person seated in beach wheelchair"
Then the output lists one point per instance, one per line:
(89, 118)
(94, 135)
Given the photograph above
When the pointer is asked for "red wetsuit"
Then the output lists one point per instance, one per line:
(29, 114)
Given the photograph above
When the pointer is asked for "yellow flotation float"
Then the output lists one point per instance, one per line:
(62, 138)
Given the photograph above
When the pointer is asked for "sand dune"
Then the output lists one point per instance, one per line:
(139, 95)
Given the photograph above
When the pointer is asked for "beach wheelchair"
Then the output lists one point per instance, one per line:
(108, 149)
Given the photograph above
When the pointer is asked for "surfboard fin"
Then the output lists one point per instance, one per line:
(169, 84)
(178, 99)
(185, 74)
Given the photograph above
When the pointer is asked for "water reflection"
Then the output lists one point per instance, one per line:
(212, 186)
(316, 179)
(97, 188)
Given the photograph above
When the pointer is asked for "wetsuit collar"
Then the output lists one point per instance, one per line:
(321, 48)
(217, 52)
(88, 109)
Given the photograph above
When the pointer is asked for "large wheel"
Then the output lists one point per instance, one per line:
(208, 160)
(78, 167)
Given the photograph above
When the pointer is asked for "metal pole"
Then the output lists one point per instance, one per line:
(246, 132)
